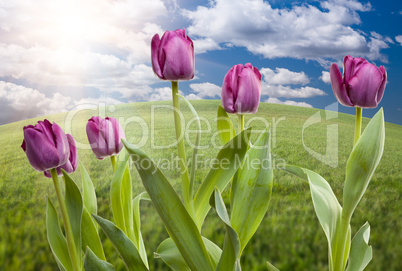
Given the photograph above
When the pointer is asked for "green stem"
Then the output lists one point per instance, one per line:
(66, 221)
(342, 239)
(113, 160)
(358, 125)
(188, 201)
(240, 122)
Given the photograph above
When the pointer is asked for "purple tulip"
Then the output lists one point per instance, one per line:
(105, 136)
(241, 89)
(46, 145)
(173, 56)
(72, 163)
(362, 84)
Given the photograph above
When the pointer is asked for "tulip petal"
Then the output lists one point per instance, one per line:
(41, 153)
(364, 85)
(95, 138)
(351, 66)
(179, 62)
(338, 85)
(382, 87)
(229, 88)
(155, 45)
(249, 91)
(61, 143)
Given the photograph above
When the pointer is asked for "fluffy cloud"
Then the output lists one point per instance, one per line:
(325, 77)
(206, 90)
(399, 39)
(276, 83)
(302, 31)
(288, 102)
(283, 76)
(18, 102)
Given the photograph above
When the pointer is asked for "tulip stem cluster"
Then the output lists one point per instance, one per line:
(187, 197)
(340, 260)
(358, 126)
(66, 221)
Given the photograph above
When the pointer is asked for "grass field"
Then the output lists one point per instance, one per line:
(290, 236)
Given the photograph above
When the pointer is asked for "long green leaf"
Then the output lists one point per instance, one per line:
(361, 253)
(139, 242)
(231, 247)
(226, 131)
(124, 246)
(252, 189)
(170, 208)
(93, 263)
(74, 206)
(88, 192)
(362, 162)
(326, 205)
(56, 239)
(170, 254)
(121, 198)
(271, 267)
(224, 167)
(90, 237)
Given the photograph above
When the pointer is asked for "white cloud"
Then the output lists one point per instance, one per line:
(288, 102)
(276, 91)
(303, 31)
(326, 77)
(206, 90)
(204, 45)
(161, 94)
(276, 83)
(283, 76)
(19, 102)
(399, 39)
(193, 96)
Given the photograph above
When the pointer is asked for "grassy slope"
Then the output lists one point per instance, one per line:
(290, 236)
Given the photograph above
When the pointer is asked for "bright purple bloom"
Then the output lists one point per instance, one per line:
(72, 163)
(45, 145)
(362, 84)
(241, 89)
(105, 136)
(173, 56)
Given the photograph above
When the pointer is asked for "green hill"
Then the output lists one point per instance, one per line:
(290, 236)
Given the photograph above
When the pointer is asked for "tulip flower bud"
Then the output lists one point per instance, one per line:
(72, 163)
(362, 84)
(173, 56)
(105, 136)
(45, 145)
(241, 89)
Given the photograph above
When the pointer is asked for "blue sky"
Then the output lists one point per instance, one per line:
(70, 54)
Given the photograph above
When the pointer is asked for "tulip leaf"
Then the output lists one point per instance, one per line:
(360, 253)
(171, 210)
(93, 263)
(224, 167)
(170, 254)
(124, 246)
(74, 207)
(231, 247)
(226, 130)
(196, 144)
(56, 239)
(121, 198)
(90, 237)
(362, 162)
(326, 206)
(271, 267)
(139, 242)
(88, 192)
(251, 189)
